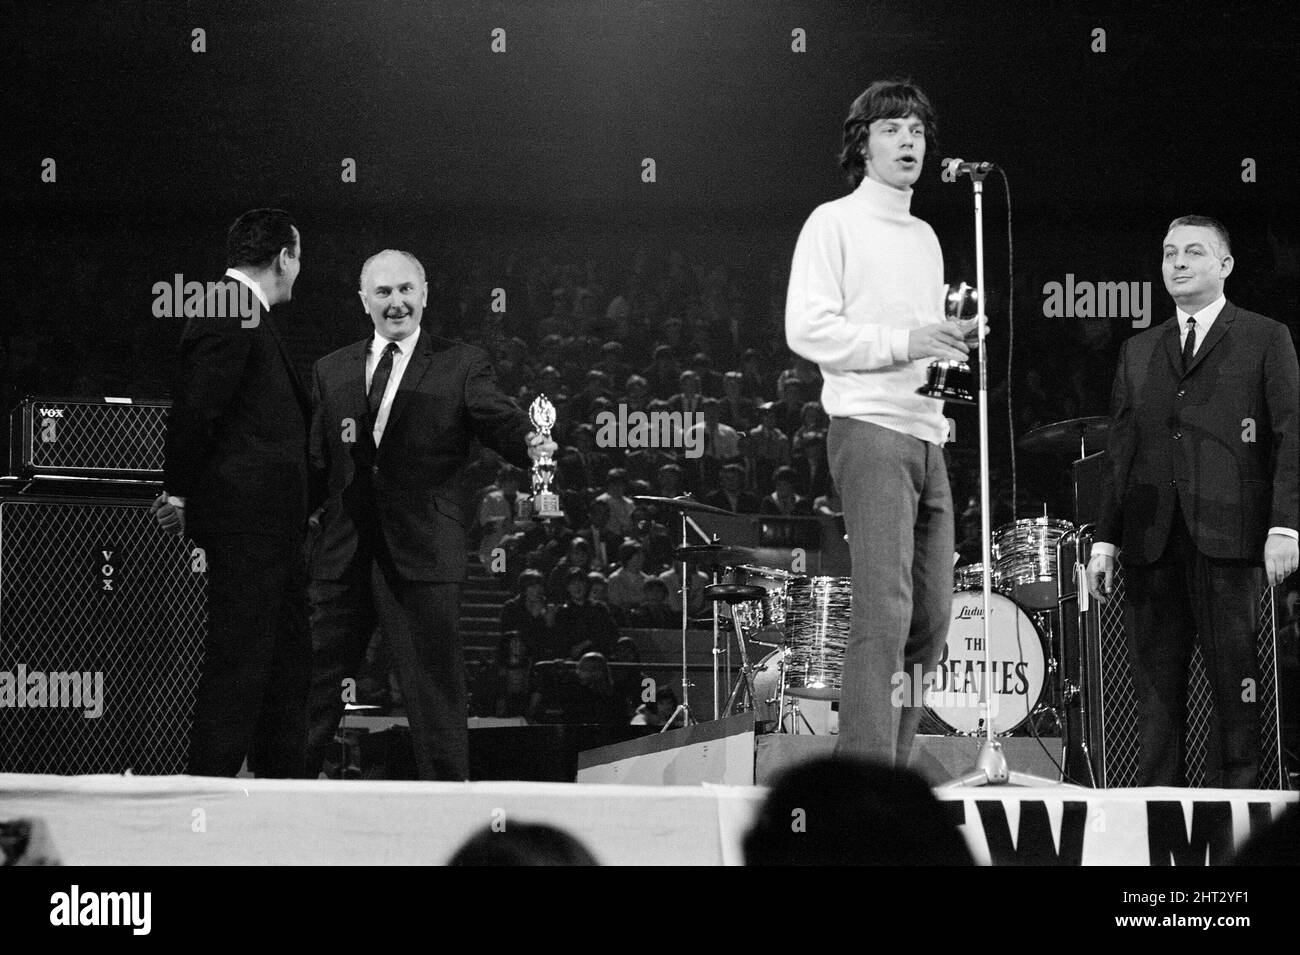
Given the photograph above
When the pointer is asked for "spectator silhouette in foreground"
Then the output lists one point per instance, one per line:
(523, 844)
(847, 811)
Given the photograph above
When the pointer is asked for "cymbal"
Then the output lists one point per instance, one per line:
(683, 503)
(1080, 436)
(711, 555)
(696, 551)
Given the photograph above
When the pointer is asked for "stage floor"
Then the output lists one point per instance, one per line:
(181, 820)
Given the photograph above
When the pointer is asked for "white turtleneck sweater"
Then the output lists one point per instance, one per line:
(865, 273)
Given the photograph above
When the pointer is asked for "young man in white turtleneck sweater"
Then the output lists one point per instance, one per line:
(866, 304)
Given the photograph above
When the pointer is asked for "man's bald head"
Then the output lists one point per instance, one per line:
(394, 293)
(365, 268)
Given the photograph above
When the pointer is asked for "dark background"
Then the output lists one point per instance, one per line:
(506, 169)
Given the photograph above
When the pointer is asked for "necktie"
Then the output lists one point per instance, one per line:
(1189, 346)
(379, 380)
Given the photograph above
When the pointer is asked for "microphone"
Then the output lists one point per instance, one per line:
(952, 168)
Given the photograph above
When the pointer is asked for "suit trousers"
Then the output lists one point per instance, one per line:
(252, 693)
(420, 622)
(898, 514)
(1186, 596)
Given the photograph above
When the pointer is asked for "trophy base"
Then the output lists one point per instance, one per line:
(547, 505)
(949, 381)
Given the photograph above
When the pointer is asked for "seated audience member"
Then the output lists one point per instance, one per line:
(731, 495)
(615, 498)
(660, 710)
(702, 365)
(600, 540)
(717, 444)
(766, 448)
(695, 603)
(529, 614)
(592, 698)
(751, 371)
(663, 373)
(578, 557)
(784, 500)
(789, 408)
(513, 667)
(522, 844)
(689, 399)
(499, 512)
(627, 679)
(736, 410)
(637, 395)
(853, 812)
(611, 361)
(627, 583)
(581, 625)
(654, 611)
(809, 451)
(668, 483)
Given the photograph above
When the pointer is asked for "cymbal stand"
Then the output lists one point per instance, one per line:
(684, 707)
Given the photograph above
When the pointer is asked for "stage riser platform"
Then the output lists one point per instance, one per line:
(187, 821)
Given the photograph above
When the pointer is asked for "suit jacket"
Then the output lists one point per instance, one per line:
(405, 495)
(236, 442)
(1220, 438)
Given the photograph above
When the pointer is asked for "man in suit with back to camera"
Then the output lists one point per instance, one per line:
(393, 419)
(1202, 502)
(236, 477)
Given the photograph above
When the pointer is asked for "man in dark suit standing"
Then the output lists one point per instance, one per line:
(1201, 491)
(235, 472)
(393, 419)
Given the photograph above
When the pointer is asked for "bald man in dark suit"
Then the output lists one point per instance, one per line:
(1202, 498)
(394, 417)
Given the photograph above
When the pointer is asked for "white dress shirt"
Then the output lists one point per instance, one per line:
(243, 279)
(1204, 319)
(401, 358)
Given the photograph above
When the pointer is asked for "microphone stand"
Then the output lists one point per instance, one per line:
(991, 767)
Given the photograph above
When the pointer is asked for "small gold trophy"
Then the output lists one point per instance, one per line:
(546, 503)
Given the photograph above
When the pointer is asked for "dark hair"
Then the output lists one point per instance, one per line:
(1205, 222)
(522, 843)
(852, 812)
(883, 99)
(627, 550)
(529, 577)
(786, 473)
(257, 237)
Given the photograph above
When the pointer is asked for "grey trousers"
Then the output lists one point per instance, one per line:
(898, 514)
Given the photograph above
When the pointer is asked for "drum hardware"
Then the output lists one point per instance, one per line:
(1084, 435)
(1025, 561)
(793, 715)
(733, 594)
(686, 552)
